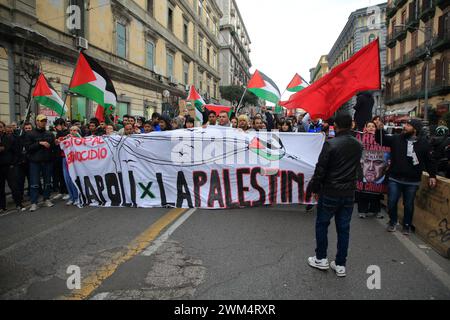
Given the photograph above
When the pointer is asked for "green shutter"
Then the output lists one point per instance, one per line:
(121, 40)
(150, 55)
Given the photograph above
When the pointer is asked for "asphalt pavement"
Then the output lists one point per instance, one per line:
(243, 254)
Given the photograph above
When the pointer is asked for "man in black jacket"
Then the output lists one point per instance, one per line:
(7, 169)
(411, 154)
(334, 184)
(39, 145)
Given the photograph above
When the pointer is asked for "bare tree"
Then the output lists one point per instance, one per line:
(28, 70)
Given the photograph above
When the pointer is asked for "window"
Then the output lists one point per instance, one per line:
(78, 108)
(402, 48)
(403, 17)
(215, 59)
(392, 55)
(170, 19)
(122, 109)
(414, 39)
(169, 65)
(150, 7)
(371, 38)
(208, 54)
(186, 72)
(150, 55)
(200, 8)
(121, 31)
(186, 32)
(200, 46)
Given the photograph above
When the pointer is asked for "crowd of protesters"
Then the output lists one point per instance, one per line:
(30, 154)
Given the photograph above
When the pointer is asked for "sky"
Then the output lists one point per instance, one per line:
(290, 36)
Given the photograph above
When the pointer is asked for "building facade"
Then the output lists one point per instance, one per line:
(320, 70)
(363, 26)
(152, 49)
(235, 43)
(418, 35)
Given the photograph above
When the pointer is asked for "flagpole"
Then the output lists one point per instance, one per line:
(68, 89)
(240, 102)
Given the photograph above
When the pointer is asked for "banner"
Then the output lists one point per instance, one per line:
(375, 162)
(209, 168)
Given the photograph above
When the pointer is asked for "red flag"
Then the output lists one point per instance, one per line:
(325, 96)
(218, 109)
(100, 113)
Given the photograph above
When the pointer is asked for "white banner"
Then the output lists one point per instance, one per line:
(209, 168)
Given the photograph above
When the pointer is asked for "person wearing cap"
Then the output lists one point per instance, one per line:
(410, 156)
(39, 144)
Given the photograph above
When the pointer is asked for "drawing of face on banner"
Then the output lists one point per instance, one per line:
(374, 165)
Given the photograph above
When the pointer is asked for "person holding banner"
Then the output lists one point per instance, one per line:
(73, 191)
(374, 164)
(243, 123)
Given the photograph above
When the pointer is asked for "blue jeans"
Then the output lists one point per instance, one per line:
(409, 194)
(36, 169)
(341, 208)
(73, 191)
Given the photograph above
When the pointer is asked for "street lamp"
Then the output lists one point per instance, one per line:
(427, 31)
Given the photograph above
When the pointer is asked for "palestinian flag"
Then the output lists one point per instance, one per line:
(91, 81)
(272, 150)
(198, 103)
(297, 84)
(45, 94)
(263, 87)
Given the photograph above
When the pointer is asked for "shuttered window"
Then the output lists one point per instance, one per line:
(150, 55)
(121, 40)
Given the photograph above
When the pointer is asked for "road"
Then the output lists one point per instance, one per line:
(258, 253)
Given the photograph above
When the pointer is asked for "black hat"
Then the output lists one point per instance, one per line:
(416, 124)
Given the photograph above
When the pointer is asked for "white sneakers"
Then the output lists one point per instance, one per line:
(324, 265)
(33, 207)
(66, 197)
(340, 270)
(58, 196)
(318, 264)
(48, 203)
(69, 203)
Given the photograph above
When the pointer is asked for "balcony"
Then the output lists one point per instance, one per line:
(441, 41)
(394, 67)
(420, 52)
(427, 10)
(442, 4)
(400, 33)
(391, 11)
(390, 40)
(412, 23)
(437, 88)
(440, 87)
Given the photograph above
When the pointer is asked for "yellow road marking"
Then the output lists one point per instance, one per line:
(94, 280)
